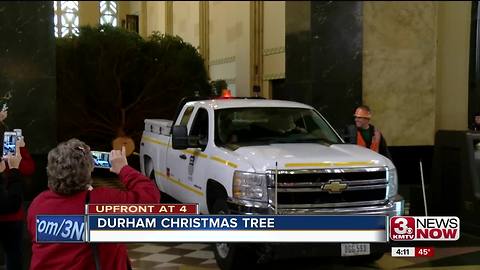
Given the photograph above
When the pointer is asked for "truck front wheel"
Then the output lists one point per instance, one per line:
(231, 256)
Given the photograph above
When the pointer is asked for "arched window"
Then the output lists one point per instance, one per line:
(108, 12)
(66, 18)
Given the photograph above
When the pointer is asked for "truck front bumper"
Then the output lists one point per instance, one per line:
(273, 251)
(390, 208)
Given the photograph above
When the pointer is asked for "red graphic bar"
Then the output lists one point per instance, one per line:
(140, 209)
(424, 251)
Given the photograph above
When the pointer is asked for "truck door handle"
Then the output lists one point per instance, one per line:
(183, 156)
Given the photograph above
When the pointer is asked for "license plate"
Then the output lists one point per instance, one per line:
(354, 249)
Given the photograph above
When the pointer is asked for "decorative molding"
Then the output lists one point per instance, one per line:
(273, 76)
(143, 20)
(256, 44)
(222, 61)
(272, 51)
(169, 17)
(204, 30)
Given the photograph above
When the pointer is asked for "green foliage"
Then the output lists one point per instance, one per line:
(109, 80)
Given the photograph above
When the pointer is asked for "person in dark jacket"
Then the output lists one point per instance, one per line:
(69, 169)
(11, 193)
(365, 134)
(13, 222)
(476, 122)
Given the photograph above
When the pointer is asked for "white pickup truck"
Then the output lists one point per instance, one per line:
(257, 156)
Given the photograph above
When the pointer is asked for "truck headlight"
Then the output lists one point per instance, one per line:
(392, 186)
(250, 186)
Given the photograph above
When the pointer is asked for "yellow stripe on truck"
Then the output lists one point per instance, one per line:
(354, 163)
(225, 162)
(179, 183)
(152, 140)
(195, 153)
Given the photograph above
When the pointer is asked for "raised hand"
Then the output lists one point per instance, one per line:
(14, 160)
(118, 160)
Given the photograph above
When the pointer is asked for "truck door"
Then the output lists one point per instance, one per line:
(197, 158)
(177, 162)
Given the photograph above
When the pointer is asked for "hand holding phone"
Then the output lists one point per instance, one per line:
(118, 159)
(20, 141)
(14, 160)
(101, 159)
(9, 143)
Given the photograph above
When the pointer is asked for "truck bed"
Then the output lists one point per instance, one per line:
(158, 126)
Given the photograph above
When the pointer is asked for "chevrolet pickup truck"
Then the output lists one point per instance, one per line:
(258, 156)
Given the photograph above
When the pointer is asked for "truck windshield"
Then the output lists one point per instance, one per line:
(260, 126)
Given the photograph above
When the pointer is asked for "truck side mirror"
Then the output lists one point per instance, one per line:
(179, 137)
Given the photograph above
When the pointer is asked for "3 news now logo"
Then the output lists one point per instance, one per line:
(403, 228)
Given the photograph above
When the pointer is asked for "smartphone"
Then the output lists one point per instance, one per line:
(9, 142)
(101, 159)
(18, 131)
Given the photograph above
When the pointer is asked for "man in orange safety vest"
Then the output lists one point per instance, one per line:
(365, 134)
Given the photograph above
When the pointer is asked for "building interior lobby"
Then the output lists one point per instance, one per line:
(416, 64)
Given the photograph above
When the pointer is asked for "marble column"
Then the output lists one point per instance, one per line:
(324, 57)
(27, 76)
(474, 74)
(27, 71)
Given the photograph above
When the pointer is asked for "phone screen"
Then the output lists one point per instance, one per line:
(9, 141)
(101, 159)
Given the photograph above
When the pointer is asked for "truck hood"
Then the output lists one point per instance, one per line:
(310, 155)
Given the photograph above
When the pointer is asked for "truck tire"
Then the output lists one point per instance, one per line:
(152, 177)
(231, 256)
(164, 197)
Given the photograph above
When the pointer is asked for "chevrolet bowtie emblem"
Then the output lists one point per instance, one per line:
(334, 186)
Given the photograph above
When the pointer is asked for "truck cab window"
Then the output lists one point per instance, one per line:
(267, 125)
(186, 116)
(200, 126)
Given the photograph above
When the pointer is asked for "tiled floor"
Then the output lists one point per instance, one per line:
(194, 256)
(199, 256)
(171, 256)
(461, 255)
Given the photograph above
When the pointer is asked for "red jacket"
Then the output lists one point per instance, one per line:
(26, 168)
(140, 189)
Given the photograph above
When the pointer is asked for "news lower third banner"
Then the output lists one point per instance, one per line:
(211, 228)
(56, 229)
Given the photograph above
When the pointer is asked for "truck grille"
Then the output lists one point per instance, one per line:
(312, 188)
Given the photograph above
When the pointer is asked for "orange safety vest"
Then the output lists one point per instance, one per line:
(375, 145)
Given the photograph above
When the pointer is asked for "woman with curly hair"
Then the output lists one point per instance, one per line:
(69, 170)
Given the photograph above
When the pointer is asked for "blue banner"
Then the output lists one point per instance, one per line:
(239, 222)
(68, 228)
